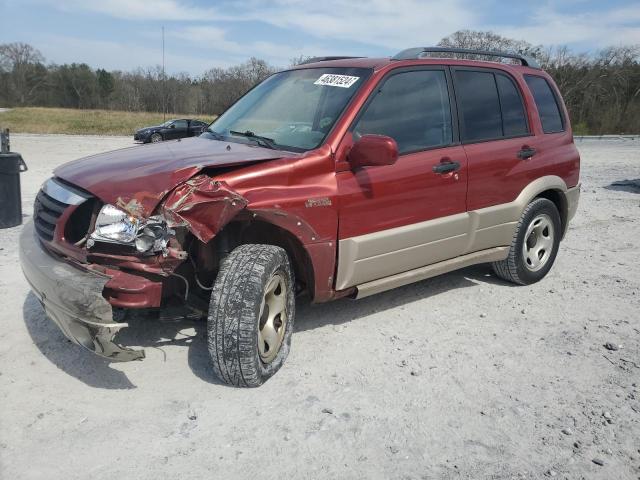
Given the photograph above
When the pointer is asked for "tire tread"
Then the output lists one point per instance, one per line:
(235, 301)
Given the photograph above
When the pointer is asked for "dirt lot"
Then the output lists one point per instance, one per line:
(461, 376)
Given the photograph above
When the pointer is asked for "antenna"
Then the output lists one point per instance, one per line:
(164, 83)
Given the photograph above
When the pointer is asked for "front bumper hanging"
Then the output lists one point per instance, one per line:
(72, 298)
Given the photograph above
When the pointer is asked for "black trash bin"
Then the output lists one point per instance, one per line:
(11, 165)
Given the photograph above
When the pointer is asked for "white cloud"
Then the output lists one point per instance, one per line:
(215, 39)
(169, 10)
(390, 24)
(113, 55)
(598, 29)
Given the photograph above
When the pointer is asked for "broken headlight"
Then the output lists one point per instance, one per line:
(147, 235)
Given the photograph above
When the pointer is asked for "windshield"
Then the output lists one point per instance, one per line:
(292, 110)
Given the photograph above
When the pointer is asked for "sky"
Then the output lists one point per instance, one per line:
(199, 34)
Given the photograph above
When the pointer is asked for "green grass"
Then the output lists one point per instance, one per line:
(83, 122)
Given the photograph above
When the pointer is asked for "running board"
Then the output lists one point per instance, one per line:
(422, 273)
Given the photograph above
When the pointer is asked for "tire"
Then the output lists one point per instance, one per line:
(155, 138)
(541, 228)
(240, 318)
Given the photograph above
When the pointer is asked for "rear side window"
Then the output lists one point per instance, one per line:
(412, 108)
(514, 121)
(479, 105)
(490, 106)
(547, 104)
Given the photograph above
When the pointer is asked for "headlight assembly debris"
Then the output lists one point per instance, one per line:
(114, 225)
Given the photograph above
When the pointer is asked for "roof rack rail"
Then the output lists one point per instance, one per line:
(324, 59)
(414, 53)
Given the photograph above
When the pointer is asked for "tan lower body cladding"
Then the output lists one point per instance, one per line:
(405, 278)
(382, 260)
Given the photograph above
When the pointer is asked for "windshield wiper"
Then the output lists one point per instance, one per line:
(262, 141)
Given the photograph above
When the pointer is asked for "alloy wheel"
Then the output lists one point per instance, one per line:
(273, 318)
(538, 242)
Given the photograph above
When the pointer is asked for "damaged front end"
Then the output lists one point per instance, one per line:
(128, 258)
(72, 297)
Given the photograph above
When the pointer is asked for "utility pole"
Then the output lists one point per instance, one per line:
(164, 83)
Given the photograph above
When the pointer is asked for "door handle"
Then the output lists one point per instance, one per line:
(446, 166)
(526, 152)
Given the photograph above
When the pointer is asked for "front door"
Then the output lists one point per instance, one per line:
(178, 129)
(404, 216)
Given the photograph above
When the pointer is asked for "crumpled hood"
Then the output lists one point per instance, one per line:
(143, 175)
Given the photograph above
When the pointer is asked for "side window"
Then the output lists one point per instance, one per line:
(547, 104)
(412, 108)
(180, 123)
(514, 121)
(479, 105)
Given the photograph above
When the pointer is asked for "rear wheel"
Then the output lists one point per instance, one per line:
(251, 315)
(534, 246)
(156, 137)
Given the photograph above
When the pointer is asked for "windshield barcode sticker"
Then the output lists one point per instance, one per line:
(333, 80)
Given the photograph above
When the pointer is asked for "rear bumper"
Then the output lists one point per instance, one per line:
(72, 298)
(573, 198)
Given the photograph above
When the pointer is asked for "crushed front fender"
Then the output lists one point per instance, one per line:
(203, 205)
(72, 298)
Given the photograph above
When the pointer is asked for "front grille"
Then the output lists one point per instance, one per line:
(46, 212)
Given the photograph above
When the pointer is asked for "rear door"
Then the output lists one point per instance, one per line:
(493, 129)
(498, 141)
(195, 128)
(400, 217)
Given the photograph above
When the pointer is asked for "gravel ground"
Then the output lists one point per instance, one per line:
(460, 376)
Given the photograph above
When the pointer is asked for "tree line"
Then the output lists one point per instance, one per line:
(601, 89)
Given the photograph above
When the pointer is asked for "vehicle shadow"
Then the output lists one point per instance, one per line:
(72, 359)
(631, 186)
(151, 333)
(97, 372)
(310, 316)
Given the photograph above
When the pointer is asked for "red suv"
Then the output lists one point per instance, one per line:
(342, 177)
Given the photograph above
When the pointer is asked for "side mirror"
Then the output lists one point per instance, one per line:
(173, 125)
(373, 151)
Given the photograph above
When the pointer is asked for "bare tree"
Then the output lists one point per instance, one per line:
(225, 86)
(477, 40)
(21, 60)
(16, 55)
(300, 59)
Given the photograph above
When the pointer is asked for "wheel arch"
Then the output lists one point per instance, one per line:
(261, 231)
(242, 232)
(559, 199)
(554, 189)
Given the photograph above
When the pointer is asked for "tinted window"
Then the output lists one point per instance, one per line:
(546, 103)
(514, 121)
(180, 123)
(479, 105)
(413, 109)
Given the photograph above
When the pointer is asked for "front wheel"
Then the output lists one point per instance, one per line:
(534, 246)
(251, 315)
(156, 137)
